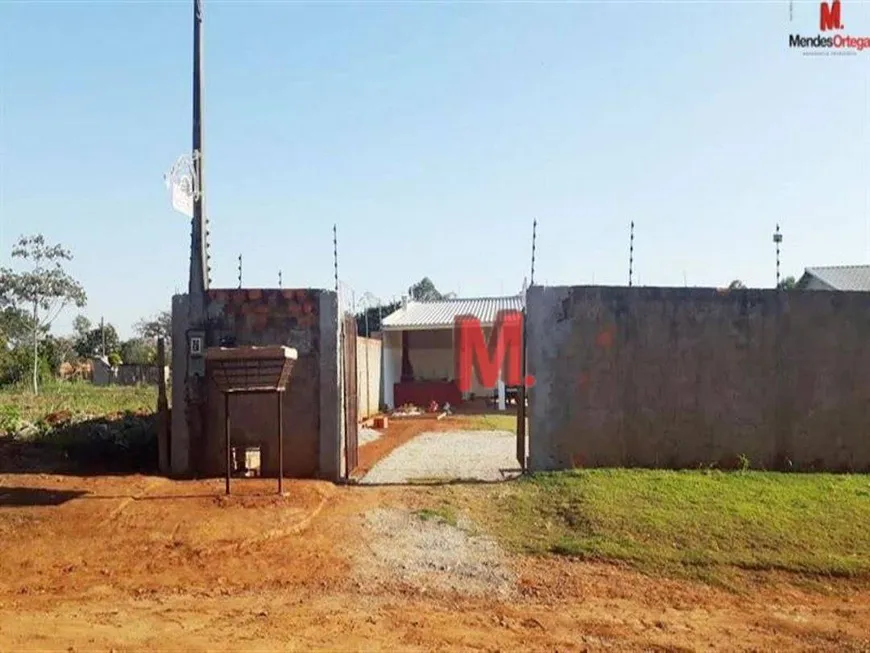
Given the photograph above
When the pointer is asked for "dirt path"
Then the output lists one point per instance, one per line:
(131, 563)
(449, 455)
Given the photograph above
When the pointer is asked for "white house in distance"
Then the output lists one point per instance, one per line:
(418, 349)
(836, 277)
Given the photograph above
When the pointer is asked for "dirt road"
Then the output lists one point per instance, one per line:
(133, 563)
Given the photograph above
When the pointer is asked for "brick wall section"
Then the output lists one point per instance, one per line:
(267, 317)
(673, 377)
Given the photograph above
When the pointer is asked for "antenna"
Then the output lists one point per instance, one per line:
(240, 270)
(777, 238)
(335, 254)
(631, 254)
(534, 240)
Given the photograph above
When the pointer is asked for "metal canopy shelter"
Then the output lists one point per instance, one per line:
(252, 370)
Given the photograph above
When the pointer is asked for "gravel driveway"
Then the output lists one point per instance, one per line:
(450, 455)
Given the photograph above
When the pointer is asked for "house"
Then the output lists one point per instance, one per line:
(418, 349)
(836, 277)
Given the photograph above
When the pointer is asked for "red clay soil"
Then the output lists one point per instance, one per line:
(141, 563)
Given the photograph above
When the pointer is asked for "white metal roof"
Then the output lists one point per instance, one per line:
(842, 277)
(442, 314)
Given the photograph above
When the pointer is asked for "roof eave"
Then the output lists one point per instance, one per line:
(425, 327)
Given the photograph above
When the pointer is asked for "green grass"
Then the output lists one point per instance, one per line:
(444, 513)
(81, 399)
(490, 422)
(698, 523)
(110, 427)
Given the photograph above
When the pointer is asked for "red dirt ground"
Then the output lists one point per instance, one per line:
(144, 563)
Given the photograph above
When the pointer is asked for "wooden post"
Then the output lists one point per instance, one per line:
(280, 395)
(163, 444)
(227, 430)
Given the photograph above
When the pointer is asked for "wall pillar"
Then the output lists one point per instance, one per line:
(331, 396)
(179, 440)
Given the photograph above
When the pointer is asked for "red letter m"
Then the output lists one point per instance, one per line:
(472, 354)
(829, 17)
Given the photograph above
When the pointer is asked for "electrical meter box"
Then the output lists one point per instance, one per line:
(196, 352)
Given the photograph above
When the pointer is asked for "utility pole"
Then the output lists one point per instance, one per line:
(200, 271)
(631, 254)
(103, 335)
(280, 280)
(240, 270)
(199, 267)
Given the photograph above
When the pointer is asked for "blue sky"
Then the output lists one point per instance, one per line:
(432, 134)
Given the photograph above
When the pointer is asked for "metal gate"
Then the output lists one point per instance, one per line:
(351, 410)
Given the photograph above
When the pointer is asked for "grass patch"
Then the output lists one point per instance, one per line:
(445, 514)
(110, 427)
(77, 398)
(700, 523)
(489, 422)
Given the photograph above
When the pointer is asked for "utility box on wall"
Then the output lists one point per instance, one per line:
(196, 349)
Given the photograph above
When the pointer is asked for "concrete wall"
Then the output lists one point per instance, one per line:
(392, 365)
(368, 373)
(673, 377)
(303, 319)
(126, 374)
(179, 442)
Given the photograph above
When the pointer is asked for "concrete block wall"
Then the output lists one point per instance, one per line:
(674, 377)
(305, 319)
(368, 372)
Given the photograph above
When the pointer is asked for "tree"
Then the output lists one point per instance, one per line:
(138, 351)
(16, 326)
(369, 320)
(90, 343)
(159, 326)
(45, 289)
(81, 326)
(737, 284)
(424, 291)
(57, 350)
(789, 283)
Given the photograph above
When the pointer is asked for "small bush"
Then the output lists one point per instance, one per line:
(10, 419)
(128, 443)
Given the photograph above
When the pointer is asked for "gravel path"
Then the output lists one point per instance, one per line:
(428, 554)
(450, 455)
(366, 435)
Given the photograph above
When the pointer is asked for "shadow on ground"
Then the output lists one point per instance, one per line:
(11, 497)
(123, 443)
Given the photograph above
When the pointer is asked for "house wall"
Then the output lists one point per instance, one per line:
(665, 377)
(368, 371)
(431, 355)
(303, 319)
